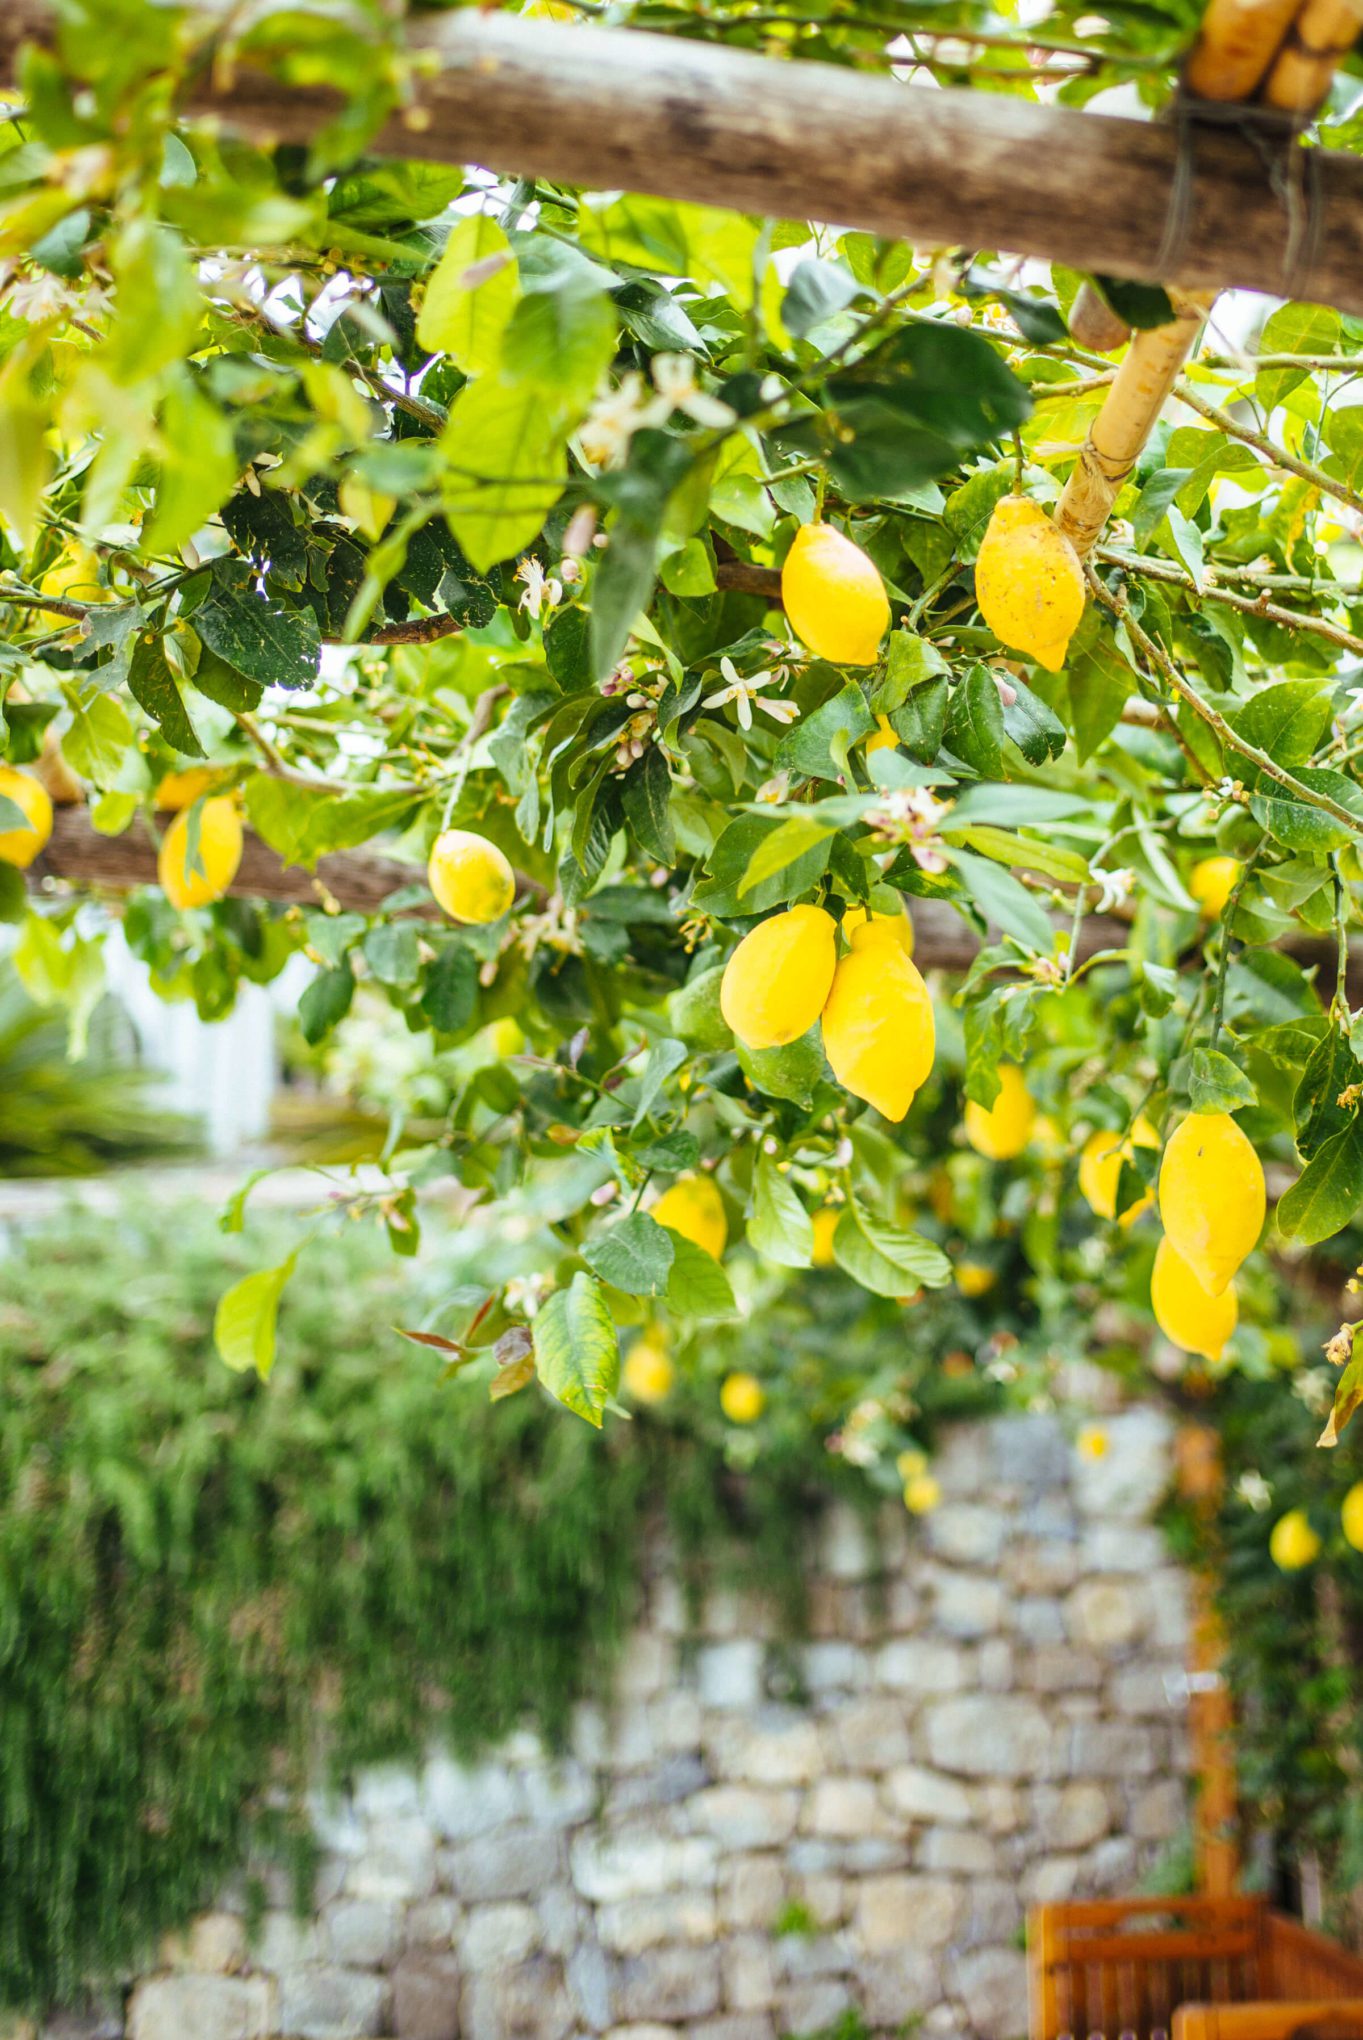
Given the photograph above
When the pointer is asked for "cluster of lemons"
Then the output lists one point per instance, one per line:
(1295, 1543)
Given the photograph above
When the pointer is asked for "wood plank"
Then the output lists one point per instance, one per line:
(621, 109)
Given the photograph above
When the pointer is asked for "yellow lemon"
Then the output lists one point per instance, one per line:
(1004, 1129)
(1029, 583)
(506, 1037)
(1100, 1169)
(878, 1029)
(1093, 1442)
(910, 1463)
(1351, 1516)
(74, 576)
(825, 1225)
(897, 926)
(21, 845)
(742, 1398)
(1211, 1196)
(886, 737)
(188, 883)
(648, 1372)
(1188, 1317)
(694, 1208)
(1293, 1543)
(775, 983)
(973, 1278)
(180, 789)
(834, 598)
(1211, 883)
(922, 1494)
(470, 877)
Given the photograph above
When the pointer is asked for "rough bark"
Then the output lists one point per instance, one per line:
(617, 109)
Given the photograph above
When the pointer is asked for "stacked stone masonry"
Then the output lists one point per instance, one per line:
(752, 1837)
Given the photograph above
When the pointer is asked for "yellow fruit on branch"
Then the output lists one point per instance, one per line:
(648, 1372)
(180, 789)
(21, 844)
(922, 1494)
(777, 980)
(1211, 1196)
(195, 880)
(1001, 1131)
(1029, 583)
(834, 598)
(897, 926)
(742, 1398)
(825, 1225)
(694, 1208)
(886, 738)
(74, 576)
(879, 1033)
(1211, 883)
(1351, 1516)
(1186, 1314)
(471, 878)
(1293, 1543)
(1100, 1169)
(974, 1278)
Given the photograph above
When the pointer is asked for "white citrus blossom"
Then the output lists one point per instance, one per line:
(541, 592)
(674, 378)
(1114, 886)
(912, 815)
(747, 695)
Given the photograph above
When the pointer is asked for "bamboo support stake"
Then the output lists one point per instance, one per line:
(1235, 47)
(1094, 324)
(1317, 43)
(1133, 403)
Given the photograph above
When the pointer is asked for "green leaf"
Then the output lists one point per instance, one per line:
(449, 990)
(921, 722)
(664, 1059)
(817, 745)
(779, 1227)
(561, 341)
(782, 849)
(657, 465)
(325, 1001)
(391, 951)
(792, 1072)
(1293, 329)
(1141, 304)
(1327, 1193)
(1296, 824)
(1348, 1395)
(1038, 734)
(636, 1255)
(697, 1287)
(975, 729)
(1288, 720)
(1004, 902)
(505, 467)
(883, 1257)
(198, 466)
(577, 1352)
(470, 296)
(1216, 1085)
(718, 893)
(99, 738)
(154, 687)
(244, 1322)
(1099, 683)
(13, 895)
(1026, 853)
(1331, 1068)
(646, 796)
(258, 635)
(817, 291)
(910, 660)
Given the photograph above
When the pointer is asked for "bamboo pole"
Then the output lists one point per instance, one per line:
(624, 110)
(1134, 401)
(1235, 46)
(1094, 324)
(1209, 1709)
(1317, 43)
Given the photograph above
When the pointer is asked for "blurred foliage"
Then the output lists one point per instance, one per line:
(213, 1593)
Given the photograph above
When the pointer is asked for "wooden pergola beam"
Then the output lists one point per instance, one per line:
(618, 109)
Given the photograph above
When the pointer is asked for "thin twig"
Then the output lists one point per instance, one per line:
(1248, 605)
(1277, 456)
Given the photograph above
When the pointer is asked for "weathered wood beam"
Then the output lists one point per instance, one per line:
(619, 109)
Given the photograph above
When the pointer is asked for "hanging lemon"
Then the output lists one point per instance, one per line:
(694, 1208)
(1293, 1543)
(825, 1224)
(897, 926)
(775, 983)
(1211, 1196)
(74, 576)
(742, 1398)
(648, 1372)
(922, 1494)
(1002, 1130)
(21, 845)
(974, 1278)
(1185, 1313)
(1100, 1169)
(878, 1029)
(471, 878)
(190, 881)
(1211, 883)
(834, 598)
(1029, 583)
(886, 737)
(1351, 1516)
(181, 789)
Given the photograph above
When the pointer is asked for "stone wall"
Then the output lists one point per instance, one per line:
(753, 1837)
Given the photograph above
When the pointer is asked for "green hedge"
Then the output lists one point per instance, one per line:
(207, 1585)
